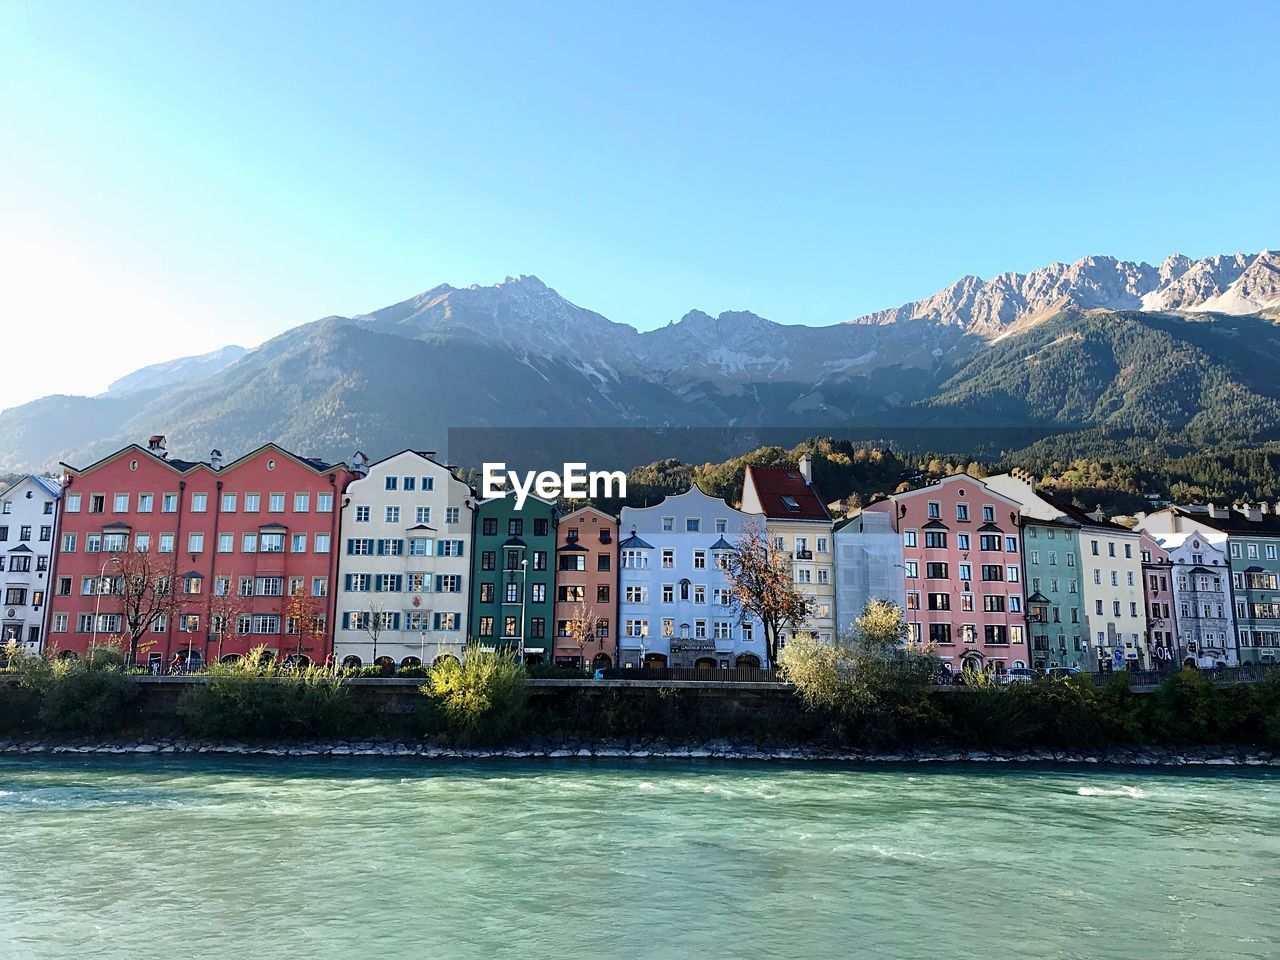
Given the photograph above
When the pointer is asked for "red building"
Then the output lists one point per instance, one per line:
(586, 588)
(962, 560)
(246, 550)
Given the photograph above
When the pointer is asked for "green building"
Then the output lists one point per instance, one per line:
(1055, 608)
(513, 576)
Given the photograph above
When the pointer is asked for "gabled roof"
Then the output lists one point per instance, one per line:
(784, 495)
(1073, 512)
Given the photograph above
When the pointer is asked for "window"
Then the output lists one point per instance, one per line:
(515, 527)
(422, 515)
(275, 503)
(389, 483)
(166, 543)
(252, 502)
(962, 511)
(391, 514)
(939, 601)
(636, 628)
(993, 603)
(940, 633)
(68, 543)
(448, 621)
(409, 483)
(324, 503)
(489, 526)
(169, 503)
(120, 503)
(693, 525)
(604, 563)
(935, 510)
(97, 503)
(390, 547)
(301, 502)
(573, 593)
(359, 547)
(486, 627)
(321, 543)
(699, 559)
(935, 571)
(636, 560)
(538, 593)
(72, 503)
(452, 583)
(298, 543)
(908, 538)
(271, 542)
(912, 568)
(450, 548)
(199, 502)
(195, 543)
(935, 539)
(228, 503)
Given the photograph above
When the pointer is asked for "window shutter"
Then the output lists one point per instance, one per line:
(439, 582)
(395, 621)
(346, 584)
(346, 617)
(457, 548)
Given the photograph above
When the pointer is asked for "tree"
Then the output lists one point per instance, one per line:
(373, 619)
(225, 610)
(761, 585)
(581, 627)
(304, 618)
(141, 581)
(868, 682)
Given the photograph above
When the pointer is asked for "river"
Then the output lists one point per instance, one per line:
(140, 857)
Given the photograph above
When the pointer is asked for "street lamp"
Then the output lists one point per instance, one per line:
(524, 588)
(97, 602)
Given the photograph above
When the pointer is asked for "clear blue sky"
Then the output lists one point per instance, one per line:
(177, 175)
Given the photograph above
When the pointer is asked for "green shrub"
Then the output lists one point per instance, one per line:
(86, 695)
(482, 697)
(255, 698)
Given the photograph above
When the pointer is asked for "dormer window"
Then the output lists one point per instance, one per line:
(791, 504)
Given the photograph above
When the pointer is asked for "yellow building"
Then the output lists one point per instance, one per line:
(798, 523)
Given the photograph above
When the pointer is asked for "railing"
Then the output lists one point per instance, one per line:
(804, 554)
(735, 675)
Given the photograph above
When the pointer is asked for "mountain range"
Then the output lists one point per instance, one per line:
(1185, 352)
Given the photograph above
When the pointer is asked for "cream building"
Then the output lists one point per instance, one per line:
(797, 521)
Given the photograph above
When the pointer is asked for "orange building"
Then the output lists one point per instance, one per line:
(586, 589)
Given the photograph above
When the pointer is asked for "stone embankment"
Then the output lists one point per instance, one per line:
(538, 748)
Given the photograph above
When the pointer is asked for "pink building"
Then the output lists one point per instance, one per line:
(962, 562)
(1157, 589)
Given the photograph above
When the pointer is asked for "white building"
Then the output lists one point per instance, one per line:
(404, 563)
(1202, 605)
(674, 608)
(869, 565)
(28, 529)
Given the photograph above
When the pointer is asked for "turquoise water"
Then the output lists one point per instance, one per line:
(202, 857)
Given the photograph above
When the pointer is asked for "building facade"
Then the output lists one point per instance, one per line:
(512, 577)
(1055, 604)
(1110, 564)
(798, 524)
(245, 548)
(869, 565)
(586, 590)
(28, 531)
(1162, 620)
(962, 554)
(674, 606)
(404, 568)
(1251, 534)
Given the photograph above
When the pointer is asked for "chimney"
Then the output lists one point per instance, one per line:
(215, 459)
(1218, 513)
(1098, 514)
(1024, 475)
(806, 468)
(1252, 511)
(360, 464)
(155, 444)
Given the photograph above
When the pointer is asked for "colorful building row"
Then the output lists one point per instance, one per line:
(399, 562)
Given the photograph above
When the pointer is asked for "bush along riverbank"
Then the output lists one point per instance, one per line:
(863, 698)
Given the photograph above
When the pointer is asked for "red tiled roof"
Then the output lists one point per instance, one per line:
(785, 496)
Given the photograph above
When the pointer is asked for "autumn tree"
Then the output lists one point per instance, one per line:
(304, 618)
(761, 585)
(225, 610)
(142, 583)
(581, 627)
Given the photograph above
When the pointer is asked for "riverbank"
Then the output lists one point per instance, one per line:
(539, 748)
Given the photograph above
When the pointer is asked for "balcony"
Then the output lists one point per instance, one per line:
(804, 554)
